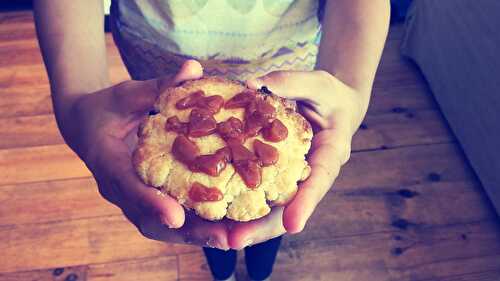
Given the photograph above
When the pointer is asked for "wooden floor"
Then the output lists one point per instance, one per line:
(406, 207)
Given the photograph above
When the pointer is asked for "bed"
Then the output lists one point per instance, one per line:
(456, 44)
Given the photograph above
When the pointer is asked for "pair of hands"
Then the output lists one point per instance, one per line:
(101, 128)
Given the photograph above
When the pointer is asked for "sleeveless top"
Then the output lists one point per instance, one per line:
(238, 39)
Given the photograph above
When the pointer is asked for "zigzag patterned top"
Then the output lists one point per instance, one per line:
(238, 39)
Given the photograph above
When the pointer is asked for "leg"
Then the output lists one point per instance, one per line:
(260, 258)
(221, 263)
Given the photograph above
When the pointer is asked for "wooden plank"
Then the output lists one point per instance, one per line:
(157, 268)
(431, 253)
(377, 256)
(28, 131)
(54, 274)
(404, 166)
(17, 54)
(52, 201)
(41, 163)
(392, 98)
(76, 242)
(410, 254)
(193, 267)
(404, 127)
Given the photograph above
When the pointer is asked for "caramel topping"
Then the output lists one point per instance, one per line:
(184, 150)
(240, 100)
(212, 103)
(198, 99)
(231, 130)
(240, 153)
(201, 123)
(174, 124)
(226, 153)
(267, 154)
(190, 101)
(250, 172)
(266, 110)
(275, 132)
(201, 193)
(212, 164)
(260, 117)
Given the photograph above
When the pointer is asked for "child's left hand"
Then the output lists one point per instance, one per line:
(335, 110)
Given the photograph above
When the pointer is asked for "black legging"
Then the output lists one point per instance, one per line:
(259, 259)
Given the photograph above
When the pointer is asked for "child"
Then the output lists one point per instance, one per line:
(327, 68)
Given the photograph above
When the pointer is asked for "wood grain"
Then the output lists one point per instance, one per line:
(77, 242)
(52, 274)
(157, 268)
(40, 163)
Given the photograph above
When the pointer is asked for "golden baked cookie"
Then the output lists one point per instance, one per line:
(224, 150)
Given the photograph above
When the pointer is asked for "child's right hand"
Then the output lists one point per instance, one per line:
(101, 128)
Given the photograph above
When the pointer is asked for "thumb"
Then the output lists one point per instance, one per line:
(276, 81)
(139, 96)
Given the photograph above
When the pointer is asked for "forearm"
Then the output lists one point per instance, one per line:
(71, 38)
(354, 33)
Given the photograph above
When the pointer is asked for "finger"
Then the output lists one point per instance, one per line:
(115, 160)
(243, 234)
(318, 122)
(139, 96)
(195, 232)
(291, 84)
(309, 194)
(296, 85)
(277, 82)
(190, 70)
(329, 151)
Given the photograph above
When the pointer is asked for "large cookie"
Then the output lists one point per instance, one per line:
(224, 150)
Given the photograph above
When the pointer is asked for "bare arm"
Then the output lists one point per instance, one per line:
(354, 33)
(71, 37)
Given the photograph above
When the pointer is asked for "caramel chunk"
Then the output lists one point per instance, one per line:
(174, 124)
(250, 172)
(201, 193)
(259, 114)
(275, 132)
(211, 103)
(201, 123)
(190, 101)
(231, 130)
(240, 100)
(212, 164)
(267, 154)
(240, 152)
(184, 150)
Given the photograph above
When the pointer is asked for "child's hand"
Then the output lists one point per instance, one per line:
(101, 128)
(335, 110)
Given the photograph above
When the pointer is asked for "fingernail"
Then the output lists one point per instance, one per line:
(255, 83)
(164, 221)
